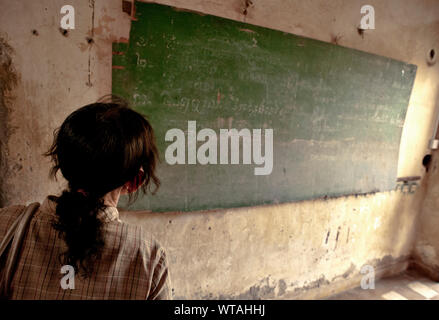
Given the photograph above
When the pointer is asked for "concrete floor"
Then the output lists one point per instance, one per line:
(409, 285)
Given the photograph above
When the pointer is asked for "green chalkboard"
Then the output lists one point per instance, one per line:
(336, 113)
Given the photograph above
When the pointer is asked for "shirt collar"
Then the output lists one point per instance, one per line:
(108, 214)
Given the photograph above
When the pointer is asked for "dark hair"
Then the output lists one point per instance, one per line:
(98, 148)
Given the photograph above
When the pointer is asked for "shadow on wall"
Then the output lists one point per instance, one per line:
(426, 250)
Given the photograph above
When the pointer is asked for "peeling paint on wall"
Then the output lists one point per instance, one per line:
(8, 81)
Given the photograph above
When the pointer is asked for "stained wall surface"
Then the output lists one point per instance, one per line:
(306, 249)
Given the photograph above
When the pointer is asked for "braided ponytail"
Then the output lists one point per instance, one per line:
(80, 228)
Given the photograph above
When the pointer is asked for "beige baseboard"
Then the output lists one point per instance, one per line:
(393, 268)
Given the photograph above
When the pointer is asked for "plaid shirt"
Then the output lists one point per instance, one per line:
(132, 264)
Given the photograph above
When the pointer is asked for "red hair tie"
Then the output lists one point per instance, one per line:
(81, 191)
(137, 182)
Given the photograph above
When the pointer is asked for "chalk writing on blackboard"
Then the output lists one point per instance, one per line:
(207, 152)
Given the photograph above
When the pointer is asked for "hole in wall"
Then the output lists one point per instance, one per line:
(64, 32)
(426, 161)
(247, 4)
(431, 57)
(126, 7)
(35, 32)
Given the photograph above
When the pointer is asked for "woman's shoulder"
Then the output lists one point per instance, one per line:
(10, 211)
(7, 217)
(134, 235)
(9, 214)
